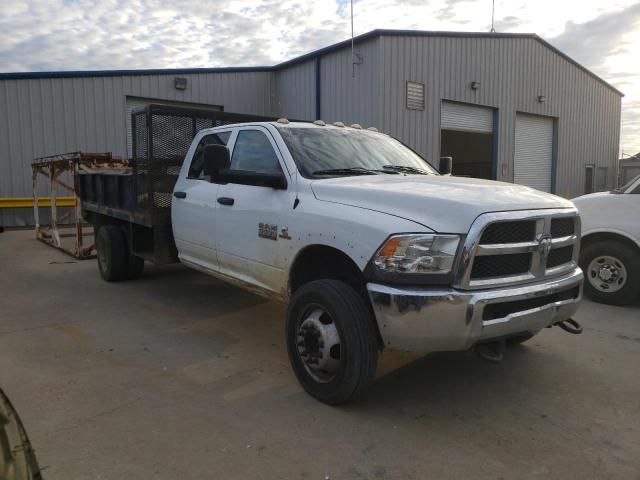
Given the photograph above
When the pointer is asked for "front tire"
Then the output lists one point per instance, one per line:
(331, 340)
(612, 272)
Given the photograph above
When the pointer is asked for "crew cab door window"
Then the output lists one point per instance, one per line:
(196, 169)
(253, 152)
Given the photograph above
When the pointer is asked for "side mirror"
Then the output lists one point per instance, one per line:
(216, 158)
(446, 165)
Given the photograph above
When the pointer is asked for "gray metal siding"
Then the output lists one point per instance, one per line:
(352, 98)
(47, 116)
(295, 91)
(512, 73)
(343, 96)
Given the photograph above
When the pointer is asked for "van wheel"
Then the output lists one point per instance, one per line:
(331, 340)
(612, 272)
(112, 253)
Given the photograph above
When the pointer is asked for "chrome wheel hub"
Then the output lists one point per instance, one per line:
(607, 274)
(318, 344)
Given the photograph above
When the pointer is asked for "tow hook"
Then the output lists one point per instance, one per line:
(570, 326)
(491, 351)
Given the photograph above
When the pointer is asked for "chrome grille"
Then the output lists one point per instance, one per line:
(559, 256)
(509, 232)
(562, 227)
(510, 248)
(491, 266)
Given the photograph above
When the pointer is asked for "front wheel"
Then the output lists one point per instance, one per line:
(612, 272)
(331, 340)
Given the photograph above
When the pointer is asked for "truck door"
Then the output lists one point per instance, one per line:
(252, 221)
(193, 207)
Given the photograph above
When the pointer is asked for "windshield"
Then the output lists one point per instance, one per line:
(623, 188)
(322, 152)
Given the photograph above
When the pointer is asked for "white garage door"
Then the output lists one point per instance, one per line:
(135, 102)
(466, 118)
(533, 151)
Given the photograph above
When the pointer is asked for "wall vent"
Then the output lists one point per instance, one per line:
(415, 96)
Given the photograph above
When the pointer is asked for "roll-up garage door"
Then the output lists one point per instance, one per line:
(466, 118)
(136, 102)
(533, 151)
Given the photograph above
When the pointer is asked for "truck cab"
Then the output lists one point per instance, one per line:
(430, 262)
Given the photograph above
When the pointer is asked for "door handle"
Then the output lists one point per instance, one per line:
(226, 201)
(180, 194)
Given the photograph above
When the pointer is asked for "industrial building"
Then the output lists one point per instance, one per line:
(509, 107)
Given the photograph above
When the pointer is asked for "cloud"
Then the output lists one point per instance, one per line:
(594, 41)
(608, 45)
(508, 24)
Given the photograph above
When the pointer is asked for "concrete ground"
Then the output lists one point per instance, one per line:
(179, 376)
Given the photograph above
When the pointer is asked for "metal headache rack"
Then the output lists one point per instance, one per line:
(161, 138)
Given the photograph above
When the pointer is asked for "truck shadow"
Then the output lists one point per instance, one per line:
(461, 385)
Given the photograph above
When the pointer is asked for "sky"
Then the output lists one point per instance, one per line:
(42, 35)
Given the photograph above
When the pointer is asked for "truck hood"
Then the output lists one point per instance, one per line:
(442, 203)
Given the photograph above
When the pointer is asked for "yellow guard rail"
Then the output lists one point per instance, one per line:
(27, 202)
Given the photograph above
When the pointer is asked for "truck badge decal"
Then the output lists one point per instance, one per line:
(284, 233)
(268, 230)
(544, 245)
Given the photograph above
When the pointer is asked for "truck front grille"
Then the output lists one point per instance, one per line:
(509, 248)
(562, 227)
(509, 232)
(491, 266)
(559, 256)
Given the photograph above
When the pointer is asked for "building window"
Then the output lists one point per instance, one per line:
(601, 179)
(415, 96)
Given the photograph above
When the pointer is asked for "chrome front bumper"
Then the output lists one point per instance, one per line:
(445, 319)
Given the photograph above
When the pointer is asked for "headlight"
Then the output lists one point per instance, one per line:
(418, 254)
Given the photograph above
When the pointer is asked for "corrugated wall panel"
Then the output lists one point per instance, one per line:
(47, 116)
(295, 93)
(512, 73)
(349, 97)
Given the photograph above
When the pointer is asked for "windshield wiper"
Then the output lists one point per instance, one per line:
(346, 171)
(405, 169)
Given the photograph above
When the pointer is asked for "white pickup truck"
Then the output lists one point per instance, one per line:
(369, 245)
(610, 249)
